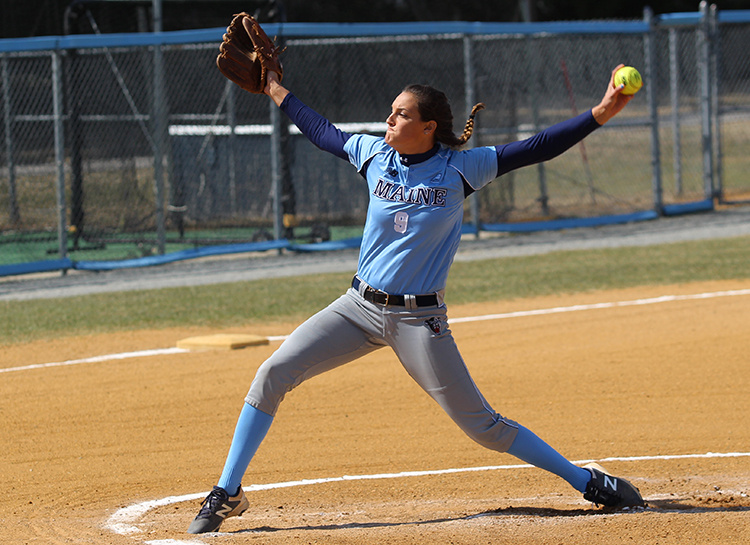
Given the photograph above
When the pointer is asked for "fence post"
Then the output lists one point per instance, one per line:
(704, 69)
(534, 68)
(13, 211)
(160, 131)
(75, 140)
(470, 94)
(715, 80)
(57, 109)
(230, 89)
(75, 129)
(276, 159)
(674, 87)
(650, 54)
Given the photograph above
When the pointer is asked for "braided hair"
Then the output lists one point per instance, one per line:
(433, 105)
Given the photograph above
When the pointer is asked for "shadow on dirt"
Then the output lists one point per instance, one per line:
(503, 512)
(681, 505)
(693, 505)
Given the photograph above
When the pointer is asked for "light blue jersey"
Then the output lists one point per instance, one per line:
(413, 225)
(414, 218)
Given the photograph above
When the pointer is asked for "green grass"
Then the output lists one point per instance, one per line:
(590, 270)
(262, 301)
(43, 246)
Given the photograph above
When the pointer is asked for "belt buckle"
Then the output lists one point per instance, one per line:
(379, 293)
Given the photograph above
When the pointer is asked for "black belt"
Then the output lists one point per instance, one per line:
(388, 299)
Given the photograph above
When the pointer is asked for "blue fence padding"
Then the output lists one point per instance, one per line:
(455, 27)
(182, 255)
(213, 35)
(688, 207)
(734, 16)
(36, 267)
(468, 229)
(694, 17)
(570, 223)
(677, 19)
(345, 244)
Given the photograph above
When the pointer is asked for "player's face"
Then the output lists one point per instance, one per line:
(407, 133)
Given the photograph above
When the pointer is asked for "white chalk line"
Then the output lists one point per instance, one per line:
(595, 306)
(124, 520)
(517, 314)
(98, 359)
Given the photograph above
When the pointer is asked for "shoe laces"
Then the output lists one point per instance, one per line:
(213, 501)
(600, 495)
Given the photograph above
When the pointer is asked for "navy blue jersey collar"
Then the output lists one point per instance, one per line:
(409, 160)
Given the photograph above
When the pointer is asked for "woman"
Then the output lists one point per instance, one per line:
(417, 183)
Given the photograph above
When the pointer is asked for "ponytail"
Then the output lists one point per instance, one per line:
(469, 127)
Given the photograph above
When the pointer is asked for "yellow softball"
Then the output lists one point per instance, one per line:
(630, 78)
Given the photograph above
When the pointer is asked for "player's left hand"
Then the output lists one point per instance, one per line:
(247, 55)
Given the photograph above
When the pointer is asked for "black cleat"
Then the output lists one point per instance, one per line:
(215, 508)
(604, 489)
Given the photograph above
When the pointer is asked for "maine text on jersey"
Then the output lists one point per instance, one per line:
(429, 196)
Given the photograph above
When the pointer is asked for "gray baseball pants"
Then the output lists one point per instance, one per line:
(351, 327)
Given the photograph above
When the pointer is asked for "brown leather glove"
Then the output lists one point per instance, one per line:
(247, 54)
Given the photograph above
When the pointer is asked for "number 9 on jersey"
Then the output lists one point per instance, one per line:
(400, 222)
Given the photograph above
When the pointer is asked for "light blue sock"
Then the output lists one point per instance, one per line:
(532, 450)
(252, 427)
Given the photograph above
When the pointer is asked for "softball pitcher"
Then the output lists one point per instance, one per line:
(417, 182)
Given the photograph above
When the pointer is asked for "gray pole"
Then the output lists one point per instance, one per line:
(704, 69)
(232, 122)
(527, 10)
(535, 70)
(674, 79)
(533, 57)
(715, 79)
(650, 54)
(13, 211)
(57, 97)
(470, 93)
(283, 191)
(159, 128)
(278, 224)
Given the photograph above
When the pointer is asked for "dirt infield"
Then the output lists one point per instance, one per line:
(121, 451)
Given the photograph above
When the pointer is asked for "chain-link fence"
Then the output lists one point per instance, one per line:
(162, 154)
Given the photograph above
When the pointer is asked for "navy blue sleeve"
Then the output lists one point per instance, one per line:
(546, 145)
(315, 127)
